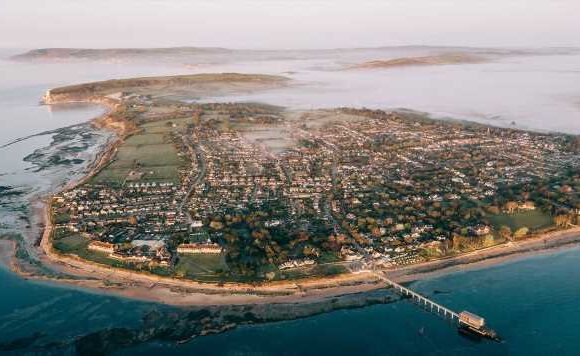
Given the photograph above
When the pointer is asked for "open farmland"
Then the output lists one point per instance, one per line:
(149, 155)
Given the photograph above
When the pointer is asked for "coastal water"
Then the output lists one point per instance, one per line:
(534, 304)
(44, 147)
(54, 316)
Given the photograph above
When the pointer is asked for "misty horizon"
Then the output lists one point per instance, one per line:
(305, 49)
(296, 24)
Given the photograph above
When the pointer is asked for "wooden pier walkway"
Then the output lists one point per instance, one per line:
(419, 299)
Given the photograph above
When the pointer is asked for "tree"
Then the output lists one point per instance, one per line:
(521, 233)
(511, 206)
(310, 251)
(562, 220)
(488, 240)
(217, 225)
(505, 232)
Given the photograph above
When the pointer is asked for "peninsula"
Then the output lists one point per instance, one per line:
(221, 203)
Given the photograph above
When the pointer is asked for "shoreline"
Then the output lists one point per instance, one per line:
(183, 292)
(544, 244)
(177, 292)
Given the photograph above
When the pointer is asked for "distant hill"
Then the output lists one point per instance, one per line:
(111, 53)
(358, 58)
(440, 59)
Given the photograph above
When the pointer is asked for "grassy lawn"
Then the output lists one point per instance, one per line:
(161, 173)
(118, 175)
(146, 139)
(78, 245)
(71, 244)
(111, 175)
(318, 270)
(161, 126)
(201, 266)
(148, 155)
(534, 220)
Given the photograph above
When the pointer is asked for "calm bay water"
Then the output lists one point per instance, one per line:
(534, 304)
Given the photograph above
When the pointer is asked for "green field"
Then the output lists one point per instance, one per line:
(71, 244)
(78, 245)
(328, 269)
(533, 220)
(149, 152)
(111, 175)
(163, 126)
(145, 139)
(201, 266)
(146, 155)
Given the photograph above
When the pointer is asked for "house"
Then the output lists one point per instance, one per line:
(528, 205)
(209, 248)
(480, 230)
(101, 246)
(197, 223)
(296, 263)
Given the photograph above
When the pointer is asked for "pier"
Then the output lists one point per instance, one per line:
(421, 300)
(467, 322)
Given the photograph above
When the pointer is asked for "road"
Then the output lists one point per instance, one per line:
(194, 151)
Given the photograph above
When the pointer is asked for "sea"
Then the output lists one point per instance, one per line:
(533, 303)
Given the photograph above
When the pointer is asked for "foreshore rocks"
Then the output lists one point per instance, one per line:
(183, 326)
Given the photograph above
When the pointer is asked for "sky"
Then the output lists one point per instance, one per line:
(288, 23)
